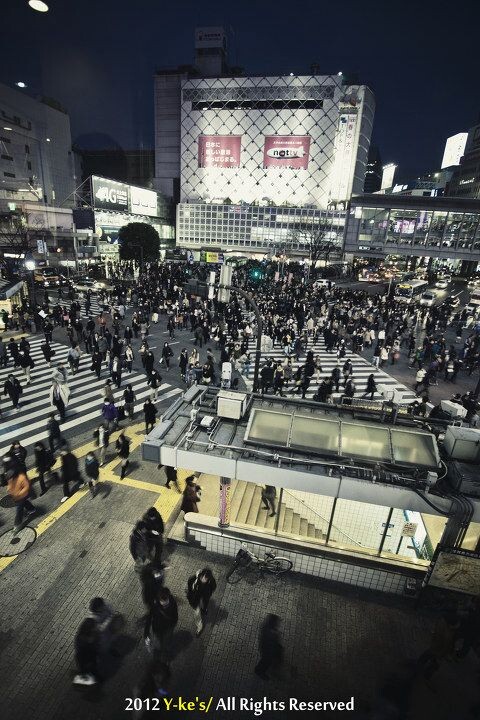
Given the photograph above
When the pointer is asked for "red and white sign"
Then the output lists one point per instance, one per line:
(288, 151)
(219, 151)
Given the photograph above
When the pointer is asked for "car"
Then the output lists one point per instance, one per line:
(82, 284)
(323, 282)
(452, 301)
(427, 299)
(103, 285)
(48, 277)
(442, 284)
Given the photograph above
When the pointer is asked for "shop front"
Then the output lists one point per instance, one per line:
(11, 296)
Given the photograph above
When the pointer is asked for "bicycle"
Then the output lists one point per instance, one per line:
(274, 564)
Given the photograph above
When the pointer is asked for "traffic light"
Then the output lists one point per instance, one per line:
(256, 274)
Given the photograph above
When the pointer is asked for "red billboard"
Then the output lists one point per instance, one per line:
(287, 151)
(219, 151)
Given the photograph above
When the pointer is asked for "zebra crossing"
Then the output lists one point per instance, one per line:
(361, 370)
(28, 424)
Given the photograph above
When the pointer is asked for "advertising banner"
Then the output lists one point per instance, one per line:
(211, 257)
(109, 195)
(143, 202)
(219, 151)
(287, 151)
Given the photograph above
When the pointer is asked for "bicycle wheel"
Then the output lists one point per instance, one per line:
(278, 565)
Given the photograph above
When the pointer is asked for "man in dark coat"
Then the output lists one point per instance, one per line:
(161, 622)
(200, 588)
(13, 389)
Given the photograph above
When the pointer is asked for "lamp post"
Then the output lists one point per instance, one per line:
(30, 264)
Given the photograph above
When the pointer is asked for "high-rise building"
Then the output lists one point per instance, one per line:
(36, 159)
(454, 149)
(466, 179)
(222, 138)
(373, 173)
(133, 167)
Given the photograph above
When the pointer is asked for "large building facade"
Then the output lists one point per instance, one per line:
(466, 179)
(36, 159)
(225, 139)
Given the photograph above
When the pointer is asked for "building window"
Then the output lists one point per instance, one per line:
(6, 157)
(29, 165)
(7, 174)
(27, 149)
(5, 140)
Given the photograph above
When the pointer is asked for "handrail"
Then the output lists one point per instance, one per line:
(322, 518)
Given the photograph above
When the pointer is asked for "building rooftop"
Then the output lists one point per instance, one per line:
(396, 200)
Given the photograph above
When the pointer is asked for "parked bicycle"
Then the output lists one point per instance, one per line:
(271, 563)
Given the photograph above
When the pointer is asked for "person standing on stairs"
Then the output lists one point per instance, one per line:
(269, 494)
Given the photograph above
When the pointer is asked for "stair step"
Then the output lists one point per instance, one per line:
(237, 498)
(246, 503)
(270, 521)
(311, 530)
(303, 526)
(319, 534)
(255, 514)
(296, 524)
(288, 519)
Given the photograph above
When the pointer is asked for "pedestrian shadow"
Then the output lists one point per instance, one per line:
(181, 641)
(103, 489)
(216, 614)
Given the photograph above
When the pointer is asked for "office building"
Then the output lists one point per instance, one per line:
(36, 159)
(466, 179)
(133, 167)
(373, 173)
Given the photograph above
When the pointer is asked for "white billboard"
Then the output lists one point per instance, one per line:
(143, 202)
(454, 149)
(388, 175)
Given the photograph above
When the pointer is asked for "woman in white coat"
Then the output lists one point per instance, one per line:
(59, 397)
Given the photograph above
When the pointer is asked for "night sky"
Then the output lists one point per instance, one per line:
(97, 57)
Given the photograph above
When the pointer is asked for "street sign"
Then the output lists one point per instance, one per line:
(409, 529)
(41, 247)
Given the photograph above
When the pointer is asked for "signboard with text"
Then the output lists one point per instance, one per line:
(221, 151)
(143, 202)
(109, 194)
(288, 151)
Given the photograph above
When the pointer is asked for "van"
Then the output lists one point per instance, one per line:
(427, 299)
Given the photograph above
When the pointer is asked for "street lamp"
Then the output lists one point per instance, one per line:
(21, 84)
(30, 265)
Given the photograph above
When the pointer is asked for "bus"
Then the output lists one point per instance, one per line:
(409, 291)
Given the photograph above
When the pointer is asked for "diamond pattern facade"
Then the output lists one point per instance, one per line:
(267, 106)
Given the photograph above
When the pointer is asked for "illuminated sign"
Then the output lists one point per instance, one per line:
(454, 149)
(221, 151)
(143, 202)
(109, 195)
(287, 151)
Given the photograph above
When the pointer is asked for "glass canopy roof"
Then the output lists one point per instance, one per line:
(336, 438)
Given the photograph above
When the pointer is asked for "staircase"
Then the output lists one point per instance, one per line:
(247, 509)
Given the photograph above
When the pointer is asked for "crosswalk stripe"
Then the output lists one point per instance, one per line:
(361, 370)
(28, 424)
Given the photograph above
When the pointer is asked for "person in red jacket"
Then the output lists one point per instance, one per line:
(19, 490)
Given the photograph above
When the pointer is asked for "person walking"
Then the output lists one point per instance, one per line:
(171, 474)
(96, 365)
(92, 471)
(13, 389)
(371, 388)
(48, 352)
(73, 359)
(27, 364)
(43, 463)
(419, 378)
(129, 356)
(123, 451)
(18, 486)
(110, 415)
(167, 353)
(54, 434)
(129, 402)
(87, 650)
(150, 412)
(3, 354)
(200, 588)
(154, 380)
(161, 622)
(269, 494)
(59, 397)
(269, 645)
(117, 371)
(102, 438)
(183, 363)
(70, 471)
(191, 495)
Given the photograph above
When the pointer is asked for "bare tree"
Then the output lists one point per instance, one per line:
(312, 237)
